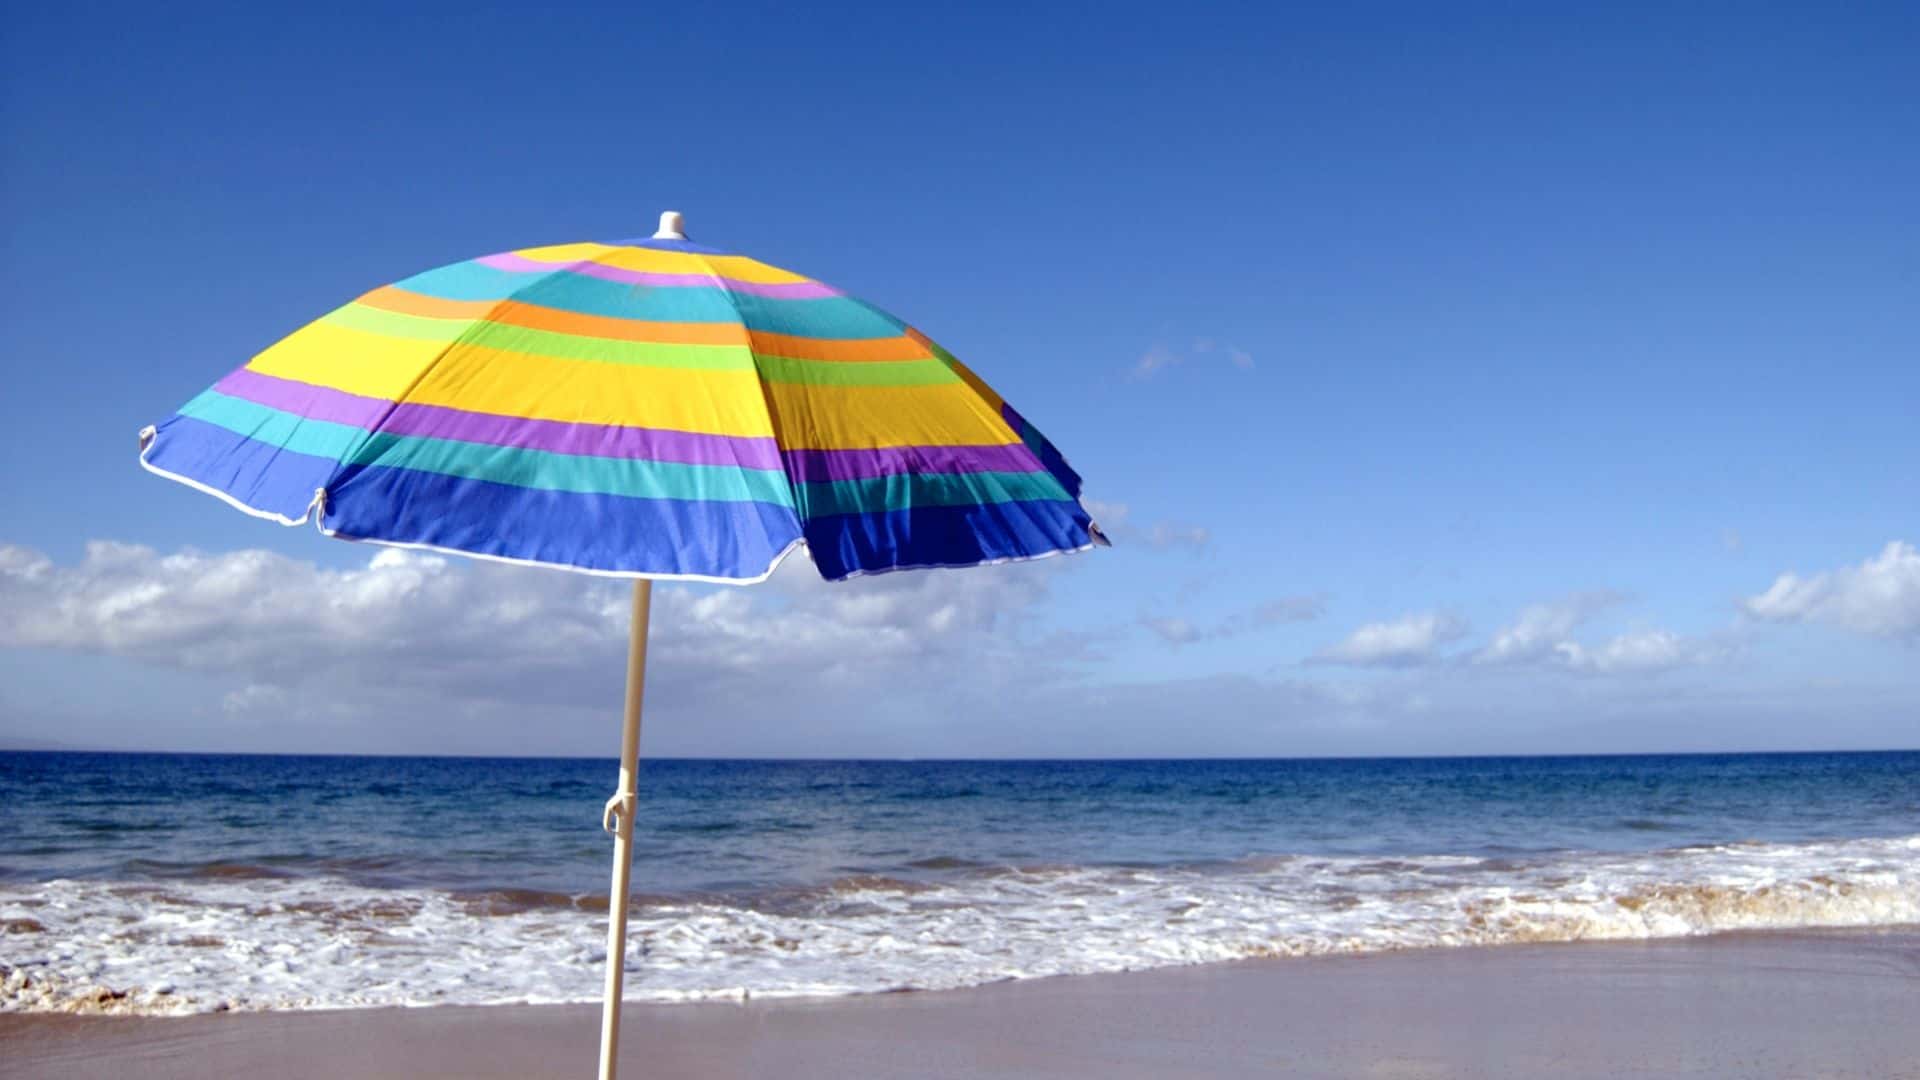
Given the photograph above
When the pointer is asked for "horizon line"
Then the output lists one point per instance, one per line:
(937, 759)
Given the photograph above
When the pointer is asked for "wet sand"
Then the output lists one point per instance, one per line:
(1754, 1005)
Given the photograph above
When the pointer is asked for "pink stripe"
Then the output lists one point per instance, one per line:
(797, 290)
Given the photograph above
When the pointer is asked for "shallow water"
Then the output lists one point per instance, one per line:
(187, 882)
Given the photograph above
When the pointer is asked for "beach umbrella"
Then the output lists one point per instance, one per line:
(651, 408)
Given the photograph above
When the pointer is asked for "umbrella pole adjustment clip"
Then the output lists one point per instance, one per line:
(618, 815)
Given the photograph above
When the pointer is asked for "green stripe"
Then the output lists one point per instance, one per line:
(548, 343)
(540, 469)
(507, 337)
(882, 493)
(787, 369)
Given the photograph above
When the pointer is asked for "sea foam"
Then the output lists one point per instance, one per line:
(239, 941)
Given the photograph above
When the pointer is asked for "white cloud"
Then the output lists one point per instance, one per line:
(1166, 535)
(279, 621)
(408, 634)
(411, 653)
(1542, 635)
(1404, 642)
(1880, 597)
(1284, 610)
(254, 699)
(1534, 634)
(1647, 650)
(1541, 629)
(1115, 519)
(1153, 360)
(1163, 356)
(1179, 631)
(1176, 630)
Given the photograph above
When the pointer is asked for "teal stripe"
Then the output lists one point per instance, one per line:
(883, 494)
(539, 469)
(318, 438)
(831, 317)
(583, 475)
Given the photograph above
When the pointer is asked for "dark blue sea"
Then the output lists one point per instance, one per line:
(190, 882)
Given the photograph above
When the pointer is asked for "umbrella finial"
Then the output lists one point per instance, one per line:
(672, 226)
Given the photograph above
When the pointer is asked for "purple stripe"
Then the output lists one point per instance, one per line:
(303, 399)
(440, 422)
(821, 466)
(615, 441)
(795, 290)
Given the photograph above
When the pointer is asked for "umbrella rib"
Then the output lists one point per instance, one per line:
(760, 383)
(427, 369)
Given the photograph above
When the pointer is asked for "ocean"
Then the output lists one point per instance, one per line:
(161, 883)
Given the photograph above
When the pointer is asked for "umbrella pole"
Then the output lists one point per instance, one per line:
(618, 820)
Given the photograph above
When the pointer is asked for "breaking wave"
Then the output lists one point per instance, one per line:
(232, 936)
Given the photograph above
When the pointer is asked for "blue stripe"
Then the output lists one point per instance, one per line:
(604, 532)
(258, 474)
(592, 531)
(831, 317)
(844, 544)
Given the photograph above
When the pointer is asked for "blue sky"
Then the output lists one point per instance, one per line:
(1382, 335)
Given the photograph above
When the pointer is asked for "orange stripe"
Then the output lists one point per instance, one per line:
(535, 317)
(805, 348)
(389, 298)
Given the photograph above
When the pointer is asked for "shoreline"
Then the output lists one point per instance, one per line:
(1827, 1003)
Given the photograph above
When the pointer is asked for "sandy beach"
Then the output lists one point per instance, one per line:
(1838, 1004)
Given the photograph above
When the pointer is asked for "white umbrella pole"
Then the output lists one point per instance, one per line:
(618, 820)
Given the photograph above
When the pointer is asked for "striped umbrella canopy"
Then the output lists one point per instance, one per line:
(652, 408)
(649, 408)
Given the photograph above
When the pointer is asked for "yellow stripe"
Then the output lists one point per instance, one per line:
(565, 253)
(367, 364)
(992, 396)
(741, 268)
(738, 267)
(816, 417)
(583, 392)
(479, 379)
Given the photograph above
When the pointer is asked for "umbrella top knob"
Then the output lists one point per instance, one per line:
(672, 226)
